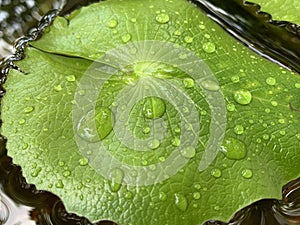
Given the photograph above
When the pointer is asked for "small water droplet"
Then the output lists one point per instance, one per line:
(176, 142)
(196, 195)
(181, 202)
(238, 129)
(153, 107)
(235, 79)
(177, 32)
(282, 132)
(197, 186)
(188, 152)
(128, 195)
(116, 178)
(247, 173)
(36, 172)
(71, 78)
(209, 47)
(234, 148)
(188, 83)
(133, 20)
(59, 184)
(29, 109)
(162, 196)
(67, 173)
(162, 18)
(22, 121)
(83, 162)
(146, 130)
(281, 121)
(243, 97)
(126, 37)
(274, 103)
(266, 137)
(271, 81)
(231, 107)
(210, 85)
(267, 110)
(154, 144)
(188, 39)
(297, 85)
(112, 23)
(217, 173)
(58, 88)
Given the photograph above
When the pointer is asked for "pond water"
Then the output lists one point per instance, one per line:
(22, 204)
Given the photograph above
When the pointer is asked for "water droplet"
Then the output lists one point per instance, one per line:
(233, 148)
(188, 152)
(29, 109)
(238, 129)
(176, 142)
(59, 184)
(146, 130)
(177, 32)
(128, 195)
(133, 20)
(274, 103)
(162, 196)
(153, 107)
(126, 38)
(162, 18)
(243, 97)
(67, 173)
(197, 186)
(271, 81)
(210, 85)
(71, 78)
(196, 195)
(188, 39)
(282, 132)
(298, 136)
(209, 47)
(281, 121)
(216, 173)
(116, 178)
(266, 137)
(22, 121)
(83, 162)
(36, 172)
(231, 107)
(181, 202)
(58, 88)
(267, 110)
(154, 144)
(235, 79)
(112, 23)
(4, 212)
(247, 173)
(188, 83)
(297, 85)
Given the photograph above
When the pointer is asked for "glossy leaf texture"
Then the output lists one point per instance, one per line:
(258, 155)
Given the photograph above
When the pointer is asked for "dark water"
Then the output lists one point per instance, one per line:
(23, 204)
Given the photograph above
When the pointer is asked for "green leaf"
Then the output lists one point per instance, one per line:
(281, 10)
(160, 88)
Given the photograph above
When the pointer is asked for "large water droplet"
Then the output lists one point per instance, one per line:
(234, 149)
(116, 178)
(242, 97)
(153, 107)
(188, 152)
(162, 18)
(209, 47)
(181, 202)
(247, 173)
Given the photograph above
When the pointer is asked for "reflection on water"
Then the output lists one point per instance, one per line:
(22, 204)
